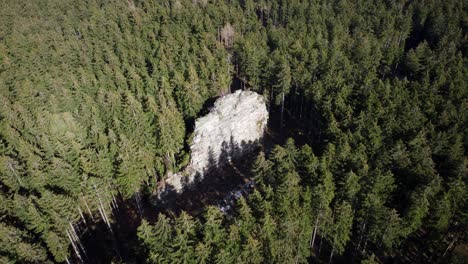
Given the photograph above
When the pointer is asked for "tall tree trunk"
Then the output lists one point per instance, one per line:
(292, 97)
(102, 215)
(320, 247)
(14, 172)
(383, 236)
(87, 208)
(138, 202)
(102, 210)
(81, 215)
(282, 110)
(331, 254)
(77, 239)
(77, 252)
(450, 246)
(315, 233)
(362, 234)
(365, 244)
(114, 202)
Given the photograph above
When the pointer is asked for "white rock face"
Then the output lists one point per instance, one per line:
(238, 119)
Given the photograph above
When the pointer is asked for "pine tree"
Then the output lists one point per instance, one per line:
(131, 172)
(214, 235)
(340, 232)
(183, 243)
(230, 254)
(282, 84)
(16, 244)
(170, 129)
(157, 239)
(262, 169)
(323, 193)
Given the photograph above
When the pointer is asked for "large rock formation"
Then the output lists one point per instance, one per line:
(236, 122)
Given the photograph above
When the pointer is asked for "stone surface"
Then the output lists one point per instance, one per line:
(236, 121)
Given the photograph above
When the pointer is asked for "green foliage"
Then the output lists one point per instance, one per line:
(16, 244)
(97, 98)
(157, 239)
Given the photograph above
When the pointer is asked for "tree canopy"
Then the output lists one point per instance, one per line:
(98, 99)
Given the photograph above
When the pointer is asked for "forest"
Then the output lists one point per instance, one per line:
(368, 104)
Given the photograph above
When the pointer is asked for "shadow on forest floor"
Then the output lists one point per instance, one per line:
(230, 172)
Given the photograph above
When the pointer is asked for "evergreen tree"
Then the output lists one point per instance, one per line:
(96, 101)
(282, 84)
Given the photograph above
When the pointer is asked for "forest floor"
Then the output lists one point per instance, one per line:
(211, 190)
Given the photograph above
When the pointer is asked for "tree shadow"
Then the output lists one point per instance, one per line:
(228, 171)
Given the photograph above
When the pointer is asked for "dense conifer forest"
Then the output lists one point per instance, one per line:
(367, 99)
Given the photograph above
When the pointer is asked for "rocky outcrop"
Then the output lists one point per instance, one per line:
(235, 123)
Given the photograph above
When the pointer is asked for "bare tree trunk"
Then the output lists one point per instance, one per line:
(77, 253)
(114, 205)
(102, 214)
(331, 254)
(87, 207)
(77, 239)
(81, 215)
(114, 202)
(395, 68)
(102, 210)
(282, 110)
(14, 172)
(362, 235)
(138, 202)
(383, 236)
(292, 96)
(399, 39)
(73, 231)
(365, 244)
(315, 232)
(104, 217)
(449, 246)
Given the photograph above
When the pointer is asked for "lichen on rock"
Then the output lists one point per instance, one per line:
(235, 123)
